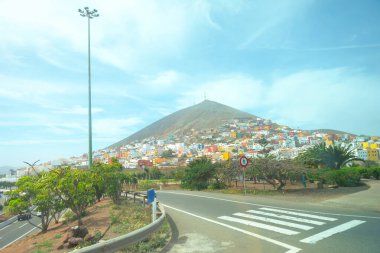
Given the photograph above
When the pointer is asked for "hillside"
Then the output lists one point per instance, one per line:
(205, 115)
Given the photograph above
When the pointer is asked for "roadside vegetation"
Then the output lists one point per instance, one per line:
(68, 193)
(333, 166)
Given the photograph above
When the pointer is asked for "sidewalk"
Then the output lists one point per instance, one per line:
(364, 200)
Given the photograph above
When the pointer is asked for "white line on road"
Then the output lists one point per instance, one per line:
(5, 227)
(251, 204)
(329, 232)
(18, 238)
(260, 225)
(23, 225)
(285, 217)
(299, 214)
(279, 222)
(291, 249)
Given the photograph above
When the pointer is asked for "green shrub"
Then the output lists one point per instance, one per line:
(343, 177)
(147, 184)
(217, 185)
(69, 215)
(375, 172)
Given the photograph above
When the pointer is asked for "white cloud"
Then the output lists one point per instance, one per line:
(331, 98)
(114, 126)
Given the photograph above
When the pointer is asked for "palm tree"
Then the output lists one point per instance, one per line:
(333, 156)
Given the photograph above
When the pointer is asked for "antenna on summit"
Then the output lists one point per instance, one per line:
(205, 96)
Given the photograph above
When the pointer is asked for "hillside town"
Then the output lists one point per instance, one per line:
(248, 136)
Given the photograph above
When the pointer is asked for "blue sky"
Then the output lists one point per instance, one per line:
(307, 64)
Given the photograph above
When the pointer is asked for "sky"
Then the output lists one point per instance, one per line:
(302, 63)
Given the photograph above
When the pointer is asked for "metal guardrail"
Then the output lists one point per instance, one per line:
(124, 241)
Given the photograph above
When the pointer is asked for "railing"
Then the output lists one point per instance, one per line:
(124, 241)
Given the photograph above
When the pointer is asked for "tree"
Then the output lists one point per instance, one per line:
(97, 176)
(276, 172)
(232, 171)
(114, 180)
(75, 188)
(332, 156)
(198, 173)
(36, 191)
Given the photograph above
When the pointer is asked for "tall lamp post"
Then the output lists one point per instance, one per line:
(89, 14)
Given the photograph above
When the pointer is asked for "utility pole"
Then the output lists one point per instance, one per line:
(89, 14)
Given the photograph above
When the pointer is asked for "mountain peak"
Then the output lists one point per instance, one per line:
(205, 115)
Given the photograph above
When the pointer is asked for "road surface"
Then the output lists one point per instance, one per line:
(208, 222)
(17, 230)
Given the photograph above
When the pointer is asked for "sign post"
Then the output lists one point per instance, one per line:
(152, 200)
(243, 163)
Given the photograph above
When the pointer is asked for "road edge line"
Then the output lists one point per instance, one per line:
(18, 238)
(284, 208)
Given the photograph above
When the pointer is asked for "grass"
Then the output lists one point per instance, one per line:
(132, 217)
(57, 236)
(45, 246)
(153, 243)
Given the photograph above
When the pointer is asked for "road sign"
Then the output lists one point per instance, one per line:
(151, 195)
(243, 161)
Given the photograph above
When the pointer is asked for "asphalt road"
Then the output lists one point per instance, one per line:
(17, 230)
(207, 222)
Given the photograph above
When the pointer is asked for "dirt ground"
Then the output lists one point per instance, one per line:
(98, 218)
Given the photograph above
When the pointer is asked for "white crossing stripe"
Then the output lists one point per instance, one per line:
(279, 222)
(260, 225)
(329, 232)
(299, 214)
(285, 217)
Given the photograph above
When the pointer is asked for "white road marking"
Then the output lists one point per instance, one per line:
(23, 225)
(279, 222)
(251, 204)
(285, 217)
(19, 237)
(332, 231)
(299, 214)
(291, 249)
(260, 225)
(5, 227)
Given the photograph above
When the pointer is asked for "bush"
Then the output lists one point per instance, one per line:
(217, 185)
(342, 177)
(147, 184)
(197, 174)
(369, 172)
(375, 172)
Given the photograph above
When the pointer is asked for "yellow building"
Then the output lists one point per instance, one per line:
(220, 148)
(329, 142)
(233, 135)
(365, 145)
(375, 138)
(373, 154)
(226, 156)
(375, 145)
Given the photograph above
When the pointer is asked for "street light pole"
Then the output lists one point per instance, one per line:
(89, 14)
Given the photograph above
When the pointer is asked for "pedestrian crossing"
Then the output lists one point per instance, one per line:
(290, 222)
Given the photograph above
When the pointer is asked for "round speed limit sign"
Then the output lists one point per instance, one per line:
(243, 161)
